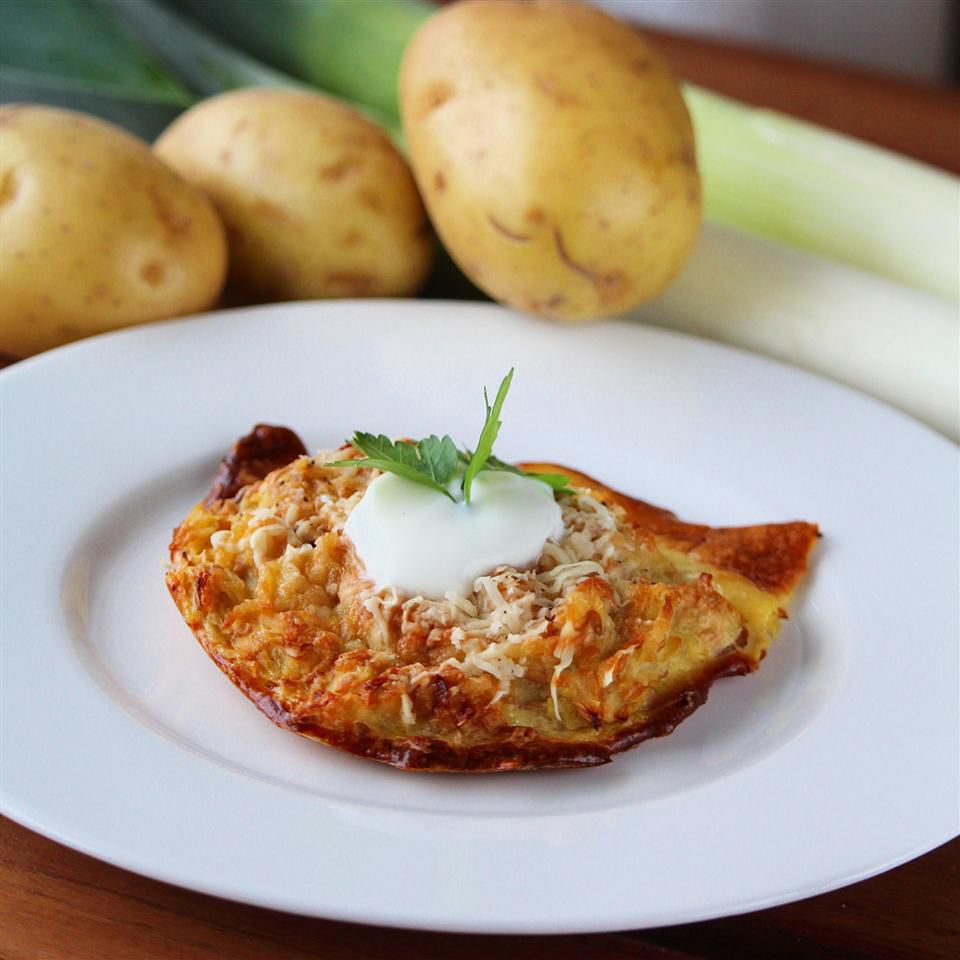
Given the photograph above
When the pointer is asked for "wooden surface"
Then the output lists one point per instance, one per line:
(56, 904)
(916, 119)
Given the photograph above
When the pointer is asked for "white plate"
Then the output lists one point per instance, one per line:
(837, 760)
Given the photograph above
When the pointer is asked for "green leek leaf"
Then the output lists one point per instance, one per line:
(207, 64)
(350, 48)
(71, 55)
(77, 42)
(141, 113)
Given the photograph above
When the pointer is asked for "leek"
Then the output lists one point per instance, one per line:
(792, 181)
(76, 41)
(350, 48)
(141, 113)
(71, 55)
(204, 63)
(896, 343)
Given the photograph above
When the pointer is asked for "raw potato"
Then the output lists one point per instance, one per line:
(95, 232)
(316, 199)
(554, 152)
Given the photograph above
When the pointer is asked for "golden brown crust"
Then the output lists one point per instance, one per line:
(618, 656)
(772, 556)
(522, 748)
(519, 748)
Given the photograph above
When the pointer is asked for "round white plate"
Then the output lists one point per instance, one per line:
(837, 760)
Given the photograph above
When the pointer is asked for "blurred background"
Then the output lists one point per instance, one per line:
(912, 38)
(882, 72)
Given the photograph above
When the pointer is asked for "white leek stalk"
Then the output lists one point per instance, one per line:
(898, 344)
(793, 181)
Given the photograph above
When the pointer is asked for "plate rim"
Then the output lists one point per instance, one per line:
(42, 362)
(19, 365)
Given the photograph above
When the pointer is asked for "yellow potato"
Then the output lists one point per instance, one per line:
(95, 232)
(554, 153)
(316, 200)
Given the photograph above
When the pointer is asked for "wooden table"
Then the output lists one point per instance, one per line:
(56, 904)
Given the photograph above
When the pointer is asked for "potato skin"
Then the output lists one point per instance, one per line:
(316, 199)
(95, 232)
(554, 153)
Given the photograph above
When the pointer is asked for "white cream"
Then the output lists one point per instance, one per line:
(418, 541)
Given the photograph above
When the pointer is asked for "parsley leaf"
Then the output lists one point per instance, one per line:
(488, 434)
(383, 448)
(429, 462)
(558, 481)
(439, 457)
(434, 461)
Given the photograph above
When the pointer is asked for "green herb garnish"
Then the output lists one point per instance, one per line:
(434, 461)
(559, 481)
(431, 462)
(491, 427)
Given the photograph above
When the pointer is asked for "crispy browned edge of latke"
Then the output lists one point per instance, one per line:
(521, 748)
(773, 557)
(264, 449)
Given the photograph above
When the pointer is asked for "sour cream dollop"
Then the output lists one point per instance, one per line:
(418, 541)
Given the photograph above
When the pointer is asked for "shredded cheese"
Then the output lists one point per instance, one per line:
(406, 709)
(486, 628)
(261, 542)
(564, 661)
(380, 606)
(221, 540)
